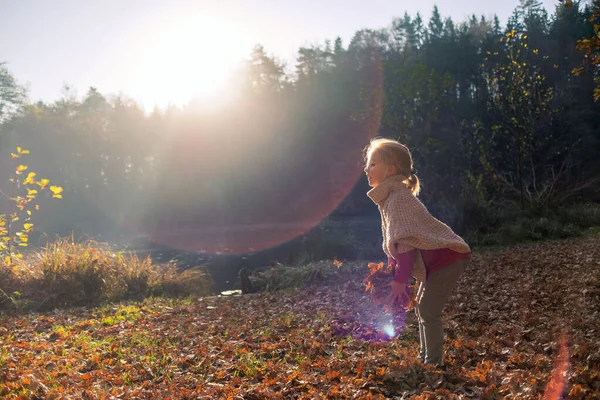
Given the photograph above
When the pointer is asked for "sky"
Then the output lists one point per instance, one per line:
(153, 50)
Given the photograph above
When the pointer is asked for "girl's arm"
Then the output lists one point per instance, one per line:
(404, 262)
(402, 268)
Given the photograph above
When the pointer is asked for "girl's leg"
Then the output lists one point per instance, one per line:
(422, 344)
(437, 291)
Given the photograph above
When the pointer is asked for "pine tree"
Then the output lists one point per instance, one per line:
(515, 21)
(436, 26)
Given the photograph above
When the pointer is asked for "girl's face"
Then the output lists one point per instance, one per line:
(377, 171)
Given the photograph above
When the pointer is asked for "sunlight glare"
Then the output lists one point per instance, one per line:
(193, 58)
(389, 329)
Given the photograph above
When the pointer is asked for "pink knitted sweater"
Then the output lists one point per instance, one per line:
(407, 225)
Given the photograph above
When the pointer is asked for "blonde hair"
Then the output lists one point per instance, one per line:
(395, 153)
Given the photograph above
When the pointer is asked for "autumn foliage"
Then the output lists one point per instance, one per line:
(504, 326)
(16, 221)
(378, 286)
(590, 46)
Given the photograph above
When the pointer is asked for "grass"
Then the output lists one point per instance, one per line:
(73, 274)
(505, 228)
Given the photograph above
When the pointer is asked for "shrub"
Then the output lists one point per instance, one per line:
(66, 273)
(15, 223)
(584, 215)
(317, 273)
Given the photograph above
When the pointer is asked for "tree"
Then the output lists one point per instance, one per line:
(521, 110)
(12, 95)
(535, 17)
(263, 73)
(410, 35)
(436, 26)
(591, 48)
(515, 21)
(496, 29)
(311, 61)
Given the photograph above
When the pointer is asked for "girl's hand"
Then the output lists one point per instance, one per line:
(399, 294)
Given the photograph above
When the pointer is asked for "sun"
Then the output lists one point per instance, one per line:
(191, 58)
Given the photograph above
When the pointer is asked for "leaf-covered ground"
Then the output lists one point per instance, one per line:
(504, 326)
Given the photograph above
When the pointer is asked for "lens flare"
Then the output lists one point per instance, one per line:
(239, 181)
(389, 329)
(236, 195)
(555, 389)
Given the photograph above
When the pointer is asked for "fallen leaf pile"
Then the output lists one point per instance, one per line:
(522, 322)
(378, 286)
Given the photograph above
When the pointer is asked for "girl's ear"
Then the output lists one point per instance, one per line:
(392, 170)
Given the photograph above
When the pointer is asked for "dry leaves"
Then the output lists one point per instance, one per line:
(377, 284)
(504, 327)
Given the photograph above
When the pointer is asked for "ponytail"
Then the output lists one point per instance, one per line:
(414, 184)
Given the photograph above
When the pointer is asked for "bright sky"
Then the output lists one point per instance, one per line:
(154, 50)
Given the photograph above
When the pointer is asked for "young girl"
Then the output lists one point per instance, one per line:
(413, 237)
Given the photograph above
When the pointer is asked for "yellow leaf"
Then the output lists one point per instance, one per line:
(19, 150)
(13, 155)
(27, 225)
(57, 190)
(23, 244)
(29, 180)
(37, 207)
(19, 255)
(43, 183)
(24, 151)
(28, 212)
(7, 260)
(21, 168)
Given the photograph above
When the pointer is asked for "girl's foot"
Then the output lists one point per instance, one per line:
(440, 366)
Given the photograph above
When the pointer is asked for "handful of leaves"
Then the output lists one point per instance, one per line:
(378, 284)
